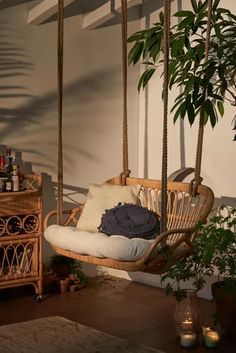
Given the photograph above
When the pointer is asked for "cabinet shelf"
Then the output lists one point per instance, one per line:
(21, 236)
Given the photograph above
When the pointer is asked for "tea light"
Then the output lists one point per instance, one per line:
(187, 325)
(212, 338)
(188, 338)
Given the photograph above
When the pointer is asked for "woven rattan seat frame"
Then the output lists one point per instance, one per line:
(184, 212)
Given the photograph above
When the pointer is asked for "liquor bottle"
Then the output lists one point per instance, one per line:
(20, 178)
(3, 174)
(15, 180)
(9, 163)
(8, 183)
(9, 158)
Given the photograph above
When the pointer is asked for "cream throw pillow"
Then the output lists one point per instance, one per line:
(102, 197)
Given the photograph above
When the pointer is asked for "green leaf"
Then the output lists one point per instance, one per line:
(186, 22)
(194, 5)
(184, 13)
(195, 93)
(177, 103)
(177, 113)
(161, 17)
(137, 36)
(145, 77)
(191, 113)
(220, 107)
(208, 108)
(135, 53)
(215, 5)
(202, 6)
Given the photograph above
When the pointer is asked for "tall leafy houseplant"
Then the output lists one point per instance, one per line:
(205, 84)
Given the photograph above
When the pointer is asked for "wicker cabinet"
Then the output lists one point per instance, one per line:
(21, 236)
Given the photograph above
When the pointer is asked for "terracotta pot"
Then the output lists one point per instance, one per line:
(225, 309)
(64, 284)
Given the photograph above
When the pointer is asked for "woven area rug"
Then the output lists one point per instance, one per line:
(59, 335)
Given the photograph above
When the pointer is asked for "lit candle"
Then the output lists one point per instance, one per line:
(212, 338)
(187, 325)
(188, 338)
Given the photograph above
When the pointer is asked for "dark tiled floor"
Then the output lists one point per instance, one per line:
(119, 307)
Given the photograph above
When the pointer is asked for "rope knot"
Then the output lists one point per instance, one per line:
(123, 176)
(194, 186)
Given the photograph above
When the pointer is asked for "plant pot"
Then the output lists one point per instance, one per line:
(225, 309)
(64, 284)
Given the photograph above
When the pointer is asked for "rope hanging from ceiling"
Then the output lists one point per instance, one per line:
(60, 59)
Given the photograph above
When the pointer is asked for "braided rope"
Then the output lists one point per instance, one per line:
(126, 172)
(197, 175)
(164, 194)
(60, 41)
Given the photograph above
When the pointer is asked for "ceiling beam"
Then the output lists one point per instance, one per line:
(105, 13)
(44, 10)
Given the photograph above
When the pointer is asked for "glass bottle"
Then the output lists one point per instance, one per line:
(3, 174)
(20, 177)
(15, 180)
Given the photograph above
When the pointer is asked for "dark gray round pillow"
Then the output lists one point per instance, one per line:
(132, 221)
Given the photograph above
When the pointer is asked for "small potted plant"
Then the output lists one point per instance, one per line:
(61, 265)
(69, 271)
(214, 253)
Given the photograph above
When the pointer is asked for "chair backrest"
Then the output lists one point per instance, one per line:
(183, 209)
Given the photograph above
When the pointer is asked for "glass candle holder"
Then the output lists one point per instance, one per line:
(205, 329)
(188, 339)
(187, 313)
(212, 338)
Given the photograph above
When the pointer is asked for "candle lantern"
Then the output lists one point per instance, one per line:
(187, 313)
(212, 338)
(205, 329)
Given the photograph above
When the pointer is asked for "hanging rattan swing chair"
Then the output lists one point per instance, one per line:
(180, 205)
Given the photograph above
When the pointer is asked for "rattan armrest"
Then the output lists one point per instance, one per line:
(72, 216)
(184, 235)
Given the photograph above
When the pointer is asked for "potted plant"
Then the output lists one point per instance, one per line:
(61, 265)
(214, 253)
(67, 267)
(205, 83)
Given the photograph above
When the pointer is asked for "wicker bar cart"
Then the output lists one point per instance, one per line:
(21, 236)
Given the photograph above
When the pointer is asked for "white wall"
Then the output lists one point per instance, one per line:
(92, 104)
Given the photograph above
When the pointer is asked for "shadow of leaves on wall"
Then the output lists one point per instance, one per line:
(13, 64)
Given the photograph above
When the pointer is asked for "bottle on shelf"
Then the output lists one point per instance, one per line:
(3, 174)
(20, 178)
(9, 159)
(15, 180)
(9, 163)
(8, 183)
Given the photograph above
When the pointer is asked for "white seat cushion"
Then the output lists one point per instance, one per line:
(100, 245)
